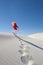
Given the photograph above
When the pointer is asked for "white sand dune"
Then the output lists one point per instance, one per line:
(37, 36)
(17, 52)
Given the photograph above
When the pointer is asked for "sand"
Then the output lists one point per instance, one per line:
(17, 52)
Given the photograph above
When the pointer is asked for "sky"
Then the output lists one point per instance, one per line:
(28, 14)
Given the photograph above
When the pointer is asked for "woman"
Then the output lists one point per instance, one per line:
(14, 25)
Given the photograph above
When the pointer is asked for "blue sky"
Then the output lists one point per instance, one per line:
(28, 14)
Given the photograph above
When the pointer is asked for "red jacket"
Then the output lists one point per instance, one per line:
(15, 27)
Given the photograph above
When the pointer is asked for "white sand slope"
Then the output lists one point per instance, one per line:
(16, 52)
(37, 36)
